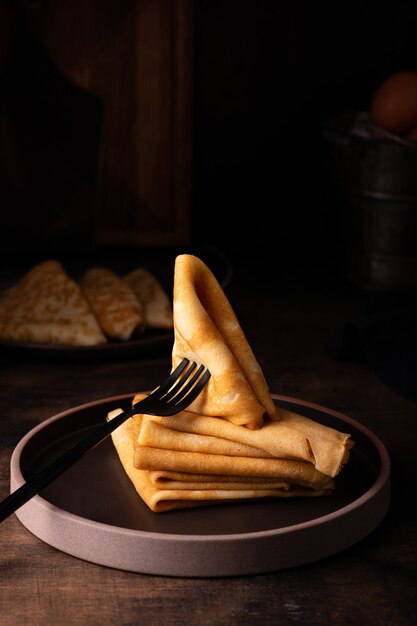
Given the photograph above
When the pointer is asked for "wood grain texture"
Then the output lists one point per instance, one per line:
(288, 319)
(137, 57)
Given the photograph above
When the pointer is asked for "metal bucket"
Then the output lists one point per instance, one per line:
(375, 184)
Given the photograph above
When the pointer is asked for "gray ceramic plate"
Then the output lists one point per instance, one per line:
(93, 512)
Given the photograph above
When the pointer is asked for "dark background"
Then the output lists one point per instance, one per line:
(266, 75)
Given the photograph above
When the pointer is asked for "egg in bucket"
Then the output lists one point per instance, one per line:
(373, 163)
(394, 104)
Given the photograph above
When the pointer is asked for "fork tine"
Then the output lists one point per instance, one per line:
(179, 385)
(172, 378)
(178, 392)
(186, 399)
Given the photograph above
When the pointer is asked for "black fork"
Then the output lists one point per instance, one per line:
(177, 392)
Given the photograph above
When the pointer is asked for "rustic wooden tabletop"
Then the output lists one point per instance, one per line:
(288, 319)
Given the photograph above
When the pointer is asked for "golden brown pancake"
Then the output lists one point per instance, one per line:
(47, 306)
(115, 305)
(207, 331)
(293, 436)
(156, 305)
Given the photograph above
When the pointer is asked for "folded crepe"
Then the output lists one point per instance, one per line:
(47, 306)
(233, 442)
(156, 305)
(206, 330)
(115, 305)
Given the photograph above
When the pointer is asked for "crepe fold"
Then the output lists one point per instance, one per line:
(156, 304)
(168, 479)
(187, 460)
(233, 442)
(114, 303)
(206, 330)
(162, 497)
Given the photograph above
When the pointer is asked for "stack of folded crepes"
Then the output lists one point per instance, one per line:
(232, 442)
(48, 306)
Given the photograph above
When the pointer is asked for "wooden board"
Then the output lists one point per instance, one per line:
(137, 57)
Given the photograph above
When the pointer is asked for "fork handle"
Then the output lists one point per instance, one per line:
(49, 473)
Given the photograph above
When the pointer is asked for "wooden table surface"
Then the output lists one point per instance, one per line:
(288, 318)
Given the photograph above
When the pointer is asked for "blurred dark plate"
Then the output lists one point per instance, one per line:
(150, 342)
